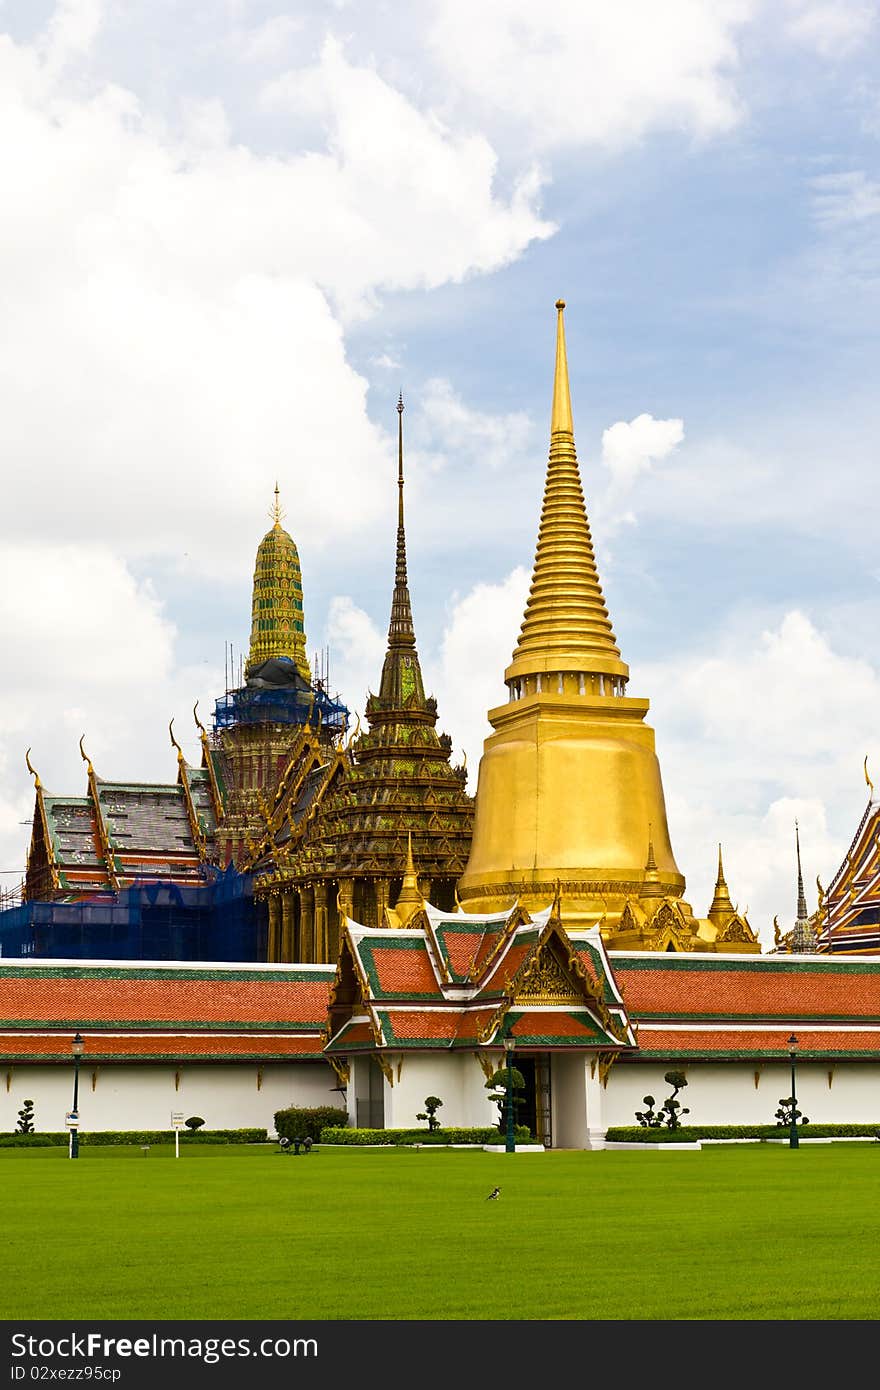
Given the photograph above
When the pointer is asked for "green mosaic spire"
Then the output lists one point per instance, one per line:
(277, 627)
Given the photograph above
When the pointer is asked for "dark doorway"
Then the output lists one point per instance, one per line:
(526, 1109)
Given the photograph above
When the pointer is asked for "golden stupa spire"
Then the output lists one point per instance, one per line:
(277, 626)
(410, 899)
(566, 625)
(651, 887)
(721, 906)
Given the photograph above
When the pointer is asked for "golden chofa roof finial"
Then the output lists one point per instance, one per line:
(33, 771)
(85, 757)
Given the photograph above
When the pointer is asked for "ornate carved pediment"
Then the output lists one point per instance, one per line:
(669, 928)
(739, 930)
(547, 982)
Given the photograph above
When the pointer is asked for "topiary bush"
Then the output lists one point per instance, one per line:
(26, 1118)
(299, 1122)
(193, 1123)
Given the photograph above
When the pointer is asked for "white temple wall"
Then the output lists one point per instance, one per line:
(456, 1078)
(746, 1093)
(131, 1096)
(227, 1095)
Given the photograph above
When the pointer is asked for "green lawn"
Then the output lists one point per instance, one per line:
(743, 1232)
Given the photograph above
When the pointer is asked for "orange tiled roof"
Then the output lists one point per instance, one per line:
(101, 996)
(763, 987)
(756, 1042)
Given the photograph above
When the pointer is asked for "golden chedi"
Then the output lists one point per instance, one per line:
(569, 785)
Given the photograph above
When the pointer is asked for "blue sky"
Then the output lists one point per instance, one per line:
(235, 230)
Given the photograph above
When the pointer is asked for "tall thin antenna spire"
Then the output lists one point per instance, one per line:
(400, 630)
(400, 571)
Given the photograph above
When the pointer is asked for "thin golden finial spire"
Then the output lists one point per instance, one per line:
(720, 879)
(651, 885)
(276, 514)
(560, 415)
(566, 625)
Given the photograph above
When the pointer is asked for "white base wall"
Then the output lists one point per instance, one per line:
(458, 1080)
(746, 1093)
(235, 1095)
(227, 1095)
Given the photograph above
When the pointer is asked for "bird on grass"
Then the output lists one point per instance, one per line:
(494, 1194)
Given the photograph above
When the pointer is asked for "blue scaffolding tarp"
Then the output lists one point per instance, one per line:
(217, 920)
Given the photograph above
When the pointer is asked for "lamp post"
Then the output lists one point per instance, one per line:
(793, 1131)
(510, 1140)
(77, 1047)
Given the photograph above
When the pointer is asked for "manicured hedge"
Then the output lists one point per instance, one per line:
(489, 1134)
(689, 1134)
(299, 1122)
(133, 1136)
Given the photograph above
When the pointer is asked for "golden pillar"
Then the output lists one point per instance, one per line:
(569, 786)
(274, 944)
(307, 925)
(382, 887)
(287, 927)
(320, 922)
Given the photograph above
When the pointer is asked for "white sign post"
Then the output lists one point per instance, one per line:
(177, 1126)
(71, 1119)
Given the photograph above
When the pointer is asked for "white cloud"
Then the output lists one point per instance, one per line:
(357, 650)
(447, 429)
(269, 41)
(571, 73)
(477, 646)
(768, 727)
(170, 337)
(89, 652)
(844, 199)
(832, 28)
(629, 449)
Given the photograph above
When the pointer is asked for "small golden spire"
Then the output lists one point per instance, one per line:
(721, 909)
(651, 885)
(410, 899)
(276, 514)
(38, 786)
